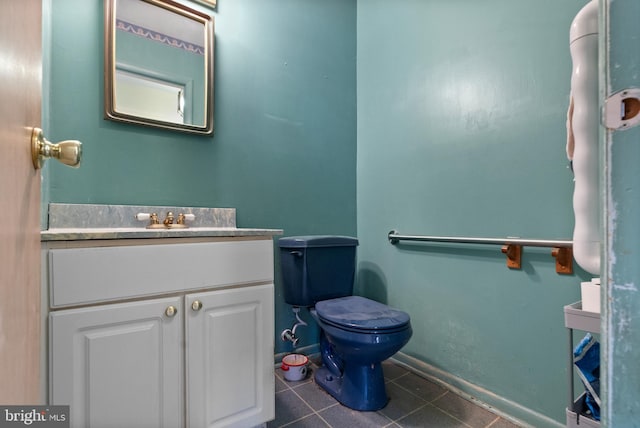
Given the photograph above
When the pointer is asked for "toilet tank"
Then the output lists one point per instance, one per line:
(318, 267)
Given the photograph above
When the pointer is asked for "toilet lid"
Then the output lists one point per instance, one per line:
(360, 313)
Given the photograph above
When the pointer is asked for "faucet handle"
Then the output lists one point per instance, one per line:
(154, 223)
(183, 218)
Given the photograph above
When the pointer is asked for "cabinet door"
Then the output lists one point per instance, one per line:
(230, 364)
(119, 365)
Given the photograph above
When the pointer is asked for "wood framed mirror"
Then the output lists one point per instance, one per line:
(158, 65)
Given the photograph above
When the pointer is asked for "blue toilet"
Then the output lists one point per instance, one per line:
(357, 334)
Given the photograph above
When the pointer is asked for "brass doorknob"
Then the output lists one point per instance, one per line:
(171, 311)
(196, 305)
(68, 152)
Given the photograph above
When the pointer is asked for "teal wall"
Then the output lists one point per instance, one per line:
(284, 148)
(461, 131)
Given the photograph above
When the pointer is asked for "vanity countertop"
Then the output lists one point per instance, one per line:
(80, 234)
(79, 222)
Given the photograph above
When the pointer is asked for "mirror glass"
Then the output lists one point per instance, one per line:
(159, 65)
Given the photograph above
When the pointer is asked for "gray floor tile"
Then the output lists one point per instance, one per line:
(430, 417)
(401, 402)
(280, 385)
(465, 410)
(503, 423)
(421, 387)
(312, 421)
(414, 402)
(343, 417)
(392, 371)
(289, 407)
(315, 396)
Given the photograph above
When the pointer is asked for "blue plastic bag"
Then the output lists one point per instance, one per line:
(586, 358)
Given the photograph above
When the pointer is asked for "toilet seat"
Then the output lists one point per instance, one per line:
(362, 315)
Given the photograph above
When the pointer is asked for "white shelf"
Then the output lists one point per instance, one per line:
(576, 318)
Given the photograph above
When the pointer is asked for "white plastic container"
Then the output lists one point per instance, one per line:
(585, 122)
(294, 367)
(591, 295)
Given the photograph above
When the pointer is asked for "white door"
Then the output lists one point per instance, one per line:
(119, 365)
(230, 367)
(20, 93)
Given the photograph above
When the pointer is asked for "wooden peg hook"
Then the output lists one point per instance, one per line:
(514, 255)
(564, 259)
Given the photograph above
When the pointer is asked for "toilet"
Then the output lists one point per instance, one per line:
(357, 333)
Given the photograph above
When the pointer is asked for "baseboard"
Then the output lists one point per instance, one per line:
(499, 405)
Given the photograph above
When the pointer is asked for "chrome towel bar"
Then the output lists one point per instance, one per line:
(395, 237)
(512, 247)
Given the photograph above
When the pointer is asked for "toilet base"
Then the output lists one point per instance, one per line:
(359, 388)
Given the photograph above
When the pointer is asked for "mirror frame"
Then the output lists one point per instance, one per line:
(210, 3)
(110, 111)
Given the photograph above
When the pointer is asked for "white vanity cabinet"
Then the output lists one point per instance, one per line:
(162, 333)
(118, 364)
(230, 379)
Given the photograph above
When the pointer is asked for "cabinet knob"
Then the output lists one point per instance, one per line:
(171, 311)
(196, 305)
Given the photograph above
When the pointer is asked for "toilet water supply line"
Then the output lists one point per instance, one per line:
(290, 334)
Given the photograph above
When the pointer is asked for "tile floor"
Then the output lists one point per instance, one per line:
(413, 402)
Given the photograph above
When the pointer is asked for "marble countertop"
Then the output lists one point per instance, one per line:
(76, 222)
(79, 234)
